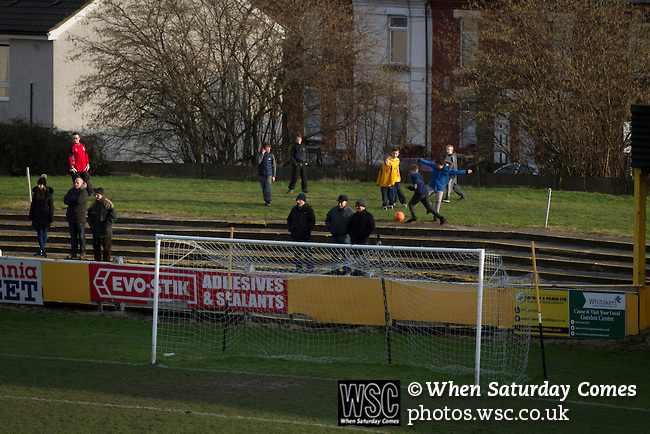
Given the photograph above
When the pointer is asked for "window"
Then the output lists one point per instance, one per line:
(398, 119)
(467, 126)
(562, 43)
(398, 40)
(313, 117)
(469, 37)
(4, 71)
(501, 139)
(313, 29)
(468, 42)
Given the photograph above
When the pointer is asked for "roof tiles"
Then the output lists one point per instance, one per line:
(36, 17)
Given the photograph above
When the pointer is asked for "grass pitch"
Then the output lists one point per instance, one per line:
(80, 371)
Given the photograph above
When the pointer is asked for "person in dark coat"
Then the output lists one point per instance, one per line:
(300, 222)
(421, 194)
(336, 221)
(76, 198)
(299, 160)
(101, 216)
(360, 227)
(41, 212)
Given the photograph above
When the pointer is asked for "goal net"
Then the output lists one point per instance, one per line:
(450, 310)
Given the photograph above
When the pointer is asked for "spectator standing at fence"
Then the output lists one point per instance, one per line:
(266, 169)
(397, 177)
(421, 194)
(361, 226)
(299, 160)
(385, 181)
(41, 212)
(301, 222)
(76, 198)
(101, 216)
(336, 221)
(79, 161)
(452, 162)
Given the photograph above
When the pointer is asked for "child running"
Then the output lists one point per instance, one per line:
(440, 177)
(421, 194)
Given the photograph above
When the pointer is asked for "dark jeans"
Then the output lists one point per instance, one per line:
(400, 193)
(265, 182)
(303, 258)
(78, 238)
(427, 204)
(41, 235)
(340, 255)
(102, 249)
(387, 196)
(297, 171)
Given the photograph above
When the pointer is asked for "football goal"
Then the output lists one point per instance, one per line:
(450, 310)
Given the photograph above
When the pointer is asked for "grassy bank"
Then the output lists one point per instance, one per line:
(587, 213)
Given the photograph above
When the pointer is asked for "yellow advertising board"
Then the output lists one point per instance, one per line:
(66, 281)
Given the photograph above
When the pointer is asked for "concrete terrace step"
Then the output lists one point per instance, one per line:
(561, 257)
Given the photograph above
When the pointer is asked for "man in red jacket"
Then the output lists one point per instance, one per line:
(79, 160)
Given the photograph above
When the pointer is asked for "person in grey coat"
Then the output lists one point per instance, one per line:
(452, 184)
(336, 221)
(76, 198)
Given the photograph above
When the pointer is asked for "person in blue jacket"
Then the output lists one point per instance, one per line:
(266, 169)
(440, 177)
(421, 194)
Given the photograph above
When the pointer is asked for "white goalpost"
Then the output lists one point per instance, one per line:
(449, 310)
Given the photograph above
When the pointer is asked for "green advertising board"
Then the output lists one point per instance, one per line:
(572, 313)
(599, 315)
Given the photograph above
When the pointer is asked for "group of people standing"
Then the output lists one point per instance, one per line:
(100, 216)
(345, 225)
(444, 173)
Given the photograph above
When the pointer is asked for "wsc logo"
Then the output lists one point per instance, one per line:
(369, 402)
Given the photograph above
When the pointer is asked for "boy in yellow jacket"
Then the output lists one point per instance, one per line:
(397, 177)
(386, 181)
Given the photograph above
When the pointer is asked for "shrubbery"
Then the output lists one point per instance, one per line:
(44, 150)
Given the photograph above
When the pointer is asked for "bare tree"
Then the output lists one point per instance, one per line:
(206, 81)
(561, 74)
(336, 85)
(184, 80)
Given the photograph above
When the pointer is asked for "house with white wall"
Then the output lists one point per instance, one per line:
(36, 76)
(403, 28)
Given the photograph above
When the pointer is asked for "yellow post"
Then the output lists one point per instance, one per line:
(640, 192)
